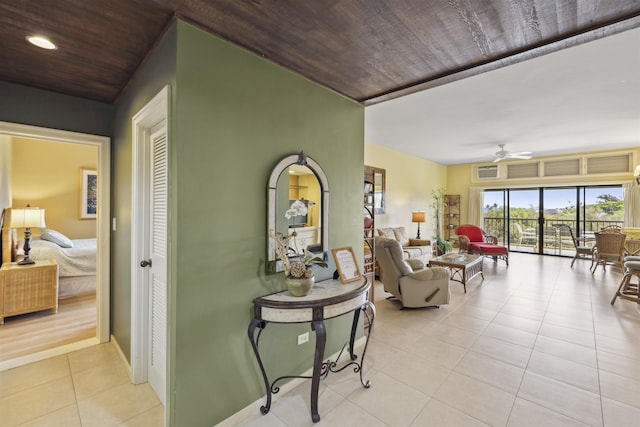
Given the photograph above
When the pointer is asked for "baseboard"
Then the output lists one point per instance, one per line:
(254, 407)
(115, 344)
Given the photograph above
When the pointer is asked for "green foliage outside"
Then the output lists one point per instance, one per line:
(607, 209)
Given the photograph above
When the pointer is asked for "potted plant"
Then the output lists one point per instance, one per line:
(443, 246)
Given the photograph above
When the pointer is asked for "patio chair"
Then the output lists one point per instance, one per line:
(582, 251)
(474, 240)
(526, 237)
(627, 289)
(609, 249)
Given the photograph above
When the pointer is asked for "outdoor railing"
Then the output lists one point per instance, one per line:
(552, 239)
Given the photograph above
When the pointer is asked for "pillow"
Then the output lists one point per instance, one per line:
(386, 232)
(57, 238)
(401, 236)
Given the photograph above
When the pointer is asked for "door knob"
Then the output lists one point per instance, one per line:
(145, 263)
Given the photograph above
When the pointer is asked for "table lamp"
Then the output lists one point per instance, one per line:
(417, 216)
(26, 218)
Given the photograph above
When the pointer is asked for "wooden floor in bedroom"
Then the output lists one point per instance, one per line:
(33, 332)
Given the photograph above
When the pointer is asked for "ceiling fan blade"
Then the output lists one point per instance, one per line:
(498, 159)
(521, 153)
(519, 156)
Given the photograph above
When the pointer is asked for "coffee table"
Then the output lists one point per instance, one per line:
(464, 267)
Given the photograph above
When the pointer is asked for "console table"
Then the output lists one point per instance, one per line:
(328, 299)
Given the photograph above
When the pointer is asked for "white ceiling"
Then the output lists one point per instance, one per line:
(582, 99)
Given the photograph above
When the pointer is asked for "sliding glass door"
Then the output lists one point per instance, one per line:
(527, 219)
(524, 214)
(560, 207)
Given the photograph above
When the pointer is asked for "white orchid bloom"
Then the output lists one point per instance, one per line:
(297, 208)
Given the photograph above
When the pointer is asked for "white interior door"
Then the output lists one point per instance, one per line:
(157, 278)
(149, 246)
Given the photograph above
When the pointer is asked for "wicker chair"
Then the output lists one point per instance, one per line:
(629, 290)
(609, 249)
(582, 250)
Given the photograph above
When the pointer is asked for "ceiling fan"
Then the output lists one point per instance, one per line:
(504, 154)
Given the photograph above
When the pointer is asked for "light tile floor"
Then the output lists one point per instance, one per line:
(88, 387)
(534, 344)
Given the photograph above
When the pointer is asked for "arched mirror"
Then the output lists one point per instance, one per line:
(298, 201)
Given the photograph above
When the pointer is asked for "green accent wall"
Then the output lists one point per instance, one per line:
(234, 116)
(158, 71)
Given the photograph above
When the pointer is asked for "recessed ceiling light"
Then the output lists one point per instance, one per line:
(42, 42)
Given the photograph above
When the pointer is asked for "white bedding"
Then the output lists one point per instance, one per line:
(80, 260)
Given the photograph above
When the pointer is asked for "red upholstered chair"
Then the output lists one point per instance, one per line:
(474, 240)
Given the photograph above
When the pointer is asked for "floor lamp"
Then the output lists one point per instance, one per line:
(26, 218)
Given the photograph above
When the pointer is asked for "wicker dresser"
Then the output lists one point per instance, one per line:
(28, 288)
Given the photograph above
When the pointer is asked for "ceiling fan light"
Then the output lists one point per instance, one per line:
(41, 42)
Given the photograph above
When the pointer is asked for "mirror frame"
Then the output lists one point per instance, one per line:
(295, 159)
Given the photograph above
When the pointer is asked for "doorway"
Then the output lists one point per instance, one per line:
(102, 145)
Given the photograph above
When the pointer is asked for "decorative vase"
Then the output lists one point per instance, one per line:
(299, 287)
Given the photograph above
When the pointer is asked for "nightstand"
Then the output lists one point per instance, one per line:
(28, 288)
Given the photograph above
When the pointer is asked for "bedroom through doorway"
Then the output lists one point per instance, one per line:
(62, 173)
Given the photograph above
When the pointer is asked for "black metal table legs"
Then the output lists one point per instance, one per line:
(320, 369)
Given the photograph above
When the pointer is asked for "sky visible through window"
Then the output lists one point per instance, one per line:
(554, 198)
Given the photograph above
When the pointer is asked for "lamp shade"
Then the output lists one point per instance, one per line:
(27, 218)
(417, 216)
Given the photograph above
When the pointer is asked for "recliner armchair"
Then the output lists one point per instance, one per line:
(409, 281)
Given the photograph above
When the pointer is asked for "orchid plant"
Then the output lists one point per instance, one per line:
(298, 265)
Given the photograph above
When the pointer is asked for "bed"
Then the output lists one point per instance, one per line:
(76, 264)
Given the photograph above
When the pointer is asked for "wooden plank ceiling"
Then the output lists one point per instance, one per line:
(367, 50)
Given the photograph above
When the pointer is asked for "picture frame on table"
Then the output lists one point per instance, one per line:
(346, 264)
(88, 194)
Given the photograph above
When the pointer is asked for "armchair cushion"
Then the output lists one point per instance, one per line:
(432, 273)
(395, 250)
(488, 248)
(415, 263)
(473, 233)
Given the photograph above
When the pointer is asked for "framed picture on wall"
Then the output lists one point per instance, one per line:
(346, 264)
(88, 194)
